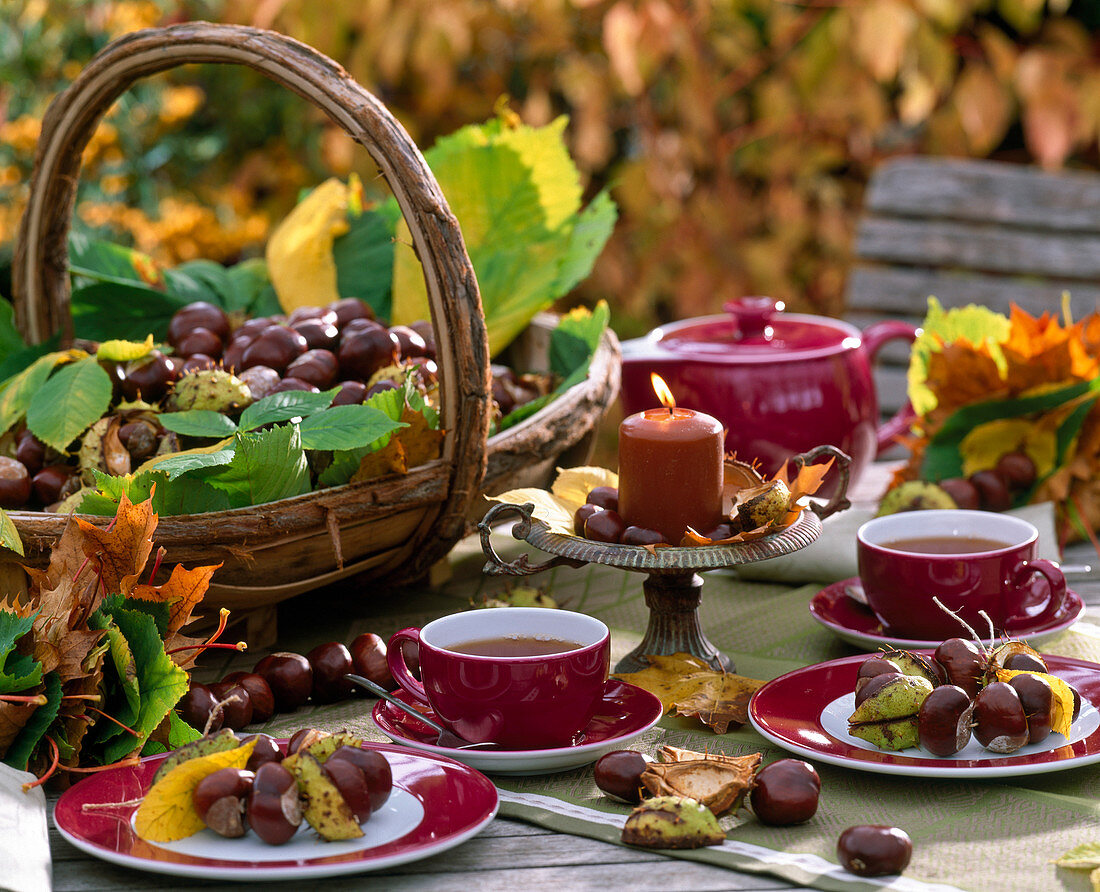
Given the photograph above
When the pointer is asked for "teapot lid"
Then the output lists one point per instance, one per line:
(757, 329)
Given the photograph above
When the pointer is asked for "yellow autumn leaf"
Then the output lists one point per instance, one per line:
(573, 485)
(299, 252)
(166, 813)
(985, 444)
(554, 512)
(668, 678)
(1062, 711)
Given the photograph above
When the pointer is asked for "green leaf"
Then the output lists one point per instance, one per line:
(19, 753)
(185, 462)
(158, 610)
(103, 311)
(21, 673)
(364, 257)
(179, 732)
(943, 458)
(345, 463)
(187, 494)
(976, 324)
(160, 681)
(12, 628)
(283, 407)
(104, 500)
(247, 281)
(517, 197)
(23, 359)
(1083, 857)
(19, 390)
(99, 260)
(11, 342)
(197, 280)
(345, 427)
(267, 466)
(124, 678)
(76, 396)
(9, 534)
(198, 423)
(576, 337)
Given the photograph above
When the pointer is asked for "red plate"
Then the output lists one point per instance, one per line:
(436, 804)
(806, 712)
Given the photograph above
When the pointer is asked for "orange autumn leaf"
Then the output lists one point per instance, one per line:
(184, 590)
(120, 552)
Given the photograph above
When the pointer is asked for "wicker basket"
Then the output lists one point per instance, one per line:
(394, 528)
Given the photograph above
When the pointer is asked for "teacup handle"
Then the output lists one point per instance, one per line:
(874, 336)
(395, 659)
(1024, 573)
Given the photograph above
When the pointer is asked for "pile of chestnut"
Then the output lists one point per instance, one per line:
(598, 519)
(272, 800)
(281, 682)
(963, 697)
(784, 793)
(994, 489)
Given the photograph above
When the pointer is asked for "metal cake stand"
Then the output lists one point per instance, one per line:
(673, 588)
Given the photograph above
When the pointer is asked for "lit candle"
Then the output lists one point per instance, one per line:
(671, 469)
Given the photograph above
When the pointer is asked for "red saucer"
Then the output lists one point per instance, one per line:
(856, 624)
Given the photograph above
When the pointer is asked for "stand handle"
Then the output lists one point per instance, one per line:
(522, 565)
(839, 501)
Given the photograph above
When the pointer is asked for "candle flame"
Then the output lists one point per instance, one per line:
(662, 391)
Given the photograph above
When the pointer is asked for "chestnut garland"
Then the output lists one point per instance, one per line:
(282, 682)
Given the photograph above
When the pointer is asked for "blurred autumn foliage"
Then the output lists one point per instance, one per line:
(737, 135)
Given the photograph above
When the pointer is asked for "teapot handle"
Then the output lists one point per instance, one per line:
(874, 336)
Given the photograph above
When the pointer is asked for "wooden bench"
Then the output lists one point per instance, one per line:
(970, 232)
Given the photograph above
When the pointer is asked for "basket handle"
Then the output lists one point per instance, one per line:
(41, 286)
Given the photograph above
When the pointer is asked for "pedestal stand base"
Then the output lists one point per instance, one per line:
(673, 602)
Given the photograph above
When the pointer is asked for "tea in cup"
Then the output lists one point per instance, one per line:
(522, 677)
(971, 561)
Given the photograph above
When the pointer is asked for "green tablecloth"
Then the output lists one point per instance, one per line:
(978, 835)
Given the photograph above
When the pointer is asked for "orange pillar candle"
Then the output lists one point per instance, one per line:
(671, 471)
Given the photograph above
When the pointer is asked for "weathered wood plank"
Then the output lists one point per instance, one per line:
(986, 192)
(939, 243)
(534, 861)
(902, 292)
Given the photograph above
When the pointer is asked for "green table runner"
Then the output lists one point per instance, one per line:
(977, 835)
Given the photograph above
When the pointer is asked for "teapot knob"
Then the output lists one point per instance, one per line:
(754, 315)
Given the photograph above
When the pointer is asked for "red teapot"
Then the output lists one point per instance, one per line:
(780, 383)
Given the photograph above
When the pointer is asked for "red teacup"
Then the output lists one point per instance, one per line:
(972, 561)
(535, 701)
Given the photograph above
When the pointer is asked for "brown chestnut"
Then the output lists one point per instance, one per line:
(963, 493)
(943, 723)
(266, 750)
(195, 708)
(604, 496)
(1016, 469)
(992, 490)
(290, 678)
(368, 657)
(219, 799)
(274, 812)
(1037, 699)
(237, 705)
(785, 792)
(961, 663)
(15, 483)
(619, 774)
(259, 694)
(352, 784)
(641, 536)
(871, 667)
(604, 526)
(999, 721)
(873, 685)
(330, 663)
(1025, 662)
(874, 850)
(582, 514)
(375, 768)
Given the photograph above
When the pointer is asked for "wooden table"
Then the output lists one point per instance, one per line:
(507, 855)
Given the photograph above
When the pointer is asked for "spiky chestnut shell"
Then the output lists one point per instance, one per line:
(213, 389)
